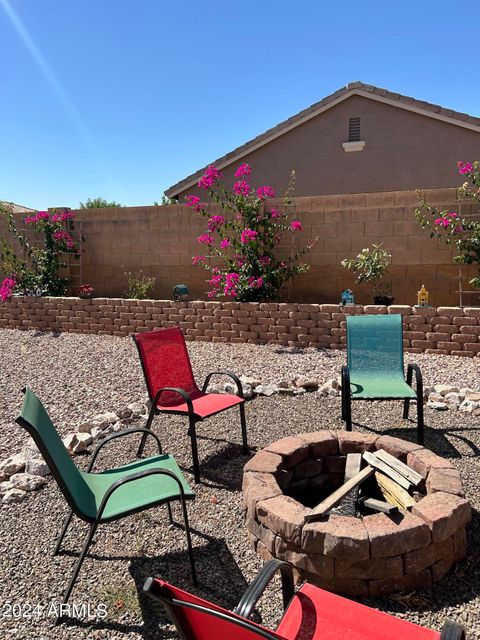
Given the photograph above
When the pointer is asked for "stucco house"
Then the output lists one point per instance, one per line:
(359, 139)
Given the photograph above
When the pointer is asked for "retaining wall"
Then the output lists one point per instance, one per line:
(440, 330)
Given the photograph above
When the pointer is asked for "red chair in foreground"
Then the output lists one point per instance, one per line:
(172, 387)
(310, 614)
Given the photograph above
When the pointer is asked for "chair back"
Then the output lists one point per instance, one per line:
(35, 419)
(198, 619)
(165, 363)
(375, 343)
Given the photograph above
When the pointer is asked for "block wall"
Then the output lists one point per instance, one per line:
(440, 330)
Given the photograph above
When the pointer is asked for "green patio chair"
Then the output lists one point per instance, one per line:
(109, 495)
(375, 369)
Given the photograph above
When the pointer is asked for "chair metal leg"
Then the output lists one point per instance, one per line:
(169, 509)
(343, 405)
(244, 428)
(193, 439)
(406, 404)
(189, 542)
(78, 566)
(348, 412)
(420, 419)
(148, 425)
(62, 533)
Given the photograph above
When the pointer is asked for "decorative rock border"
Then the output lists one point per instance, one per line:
(438, 330)
(372, 556)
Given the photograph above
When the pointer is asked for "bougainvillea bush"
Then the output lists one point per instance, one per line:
(36, 267)
(447, 225)
(240, 245)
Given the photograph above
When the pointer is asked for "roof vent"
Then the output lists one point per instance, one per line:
(354, 129)
(354, 140)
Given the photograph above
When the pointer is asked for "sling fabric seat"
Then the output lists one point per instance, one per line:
(172, 388)
(310, 614)
(98, 498)
(375, 366)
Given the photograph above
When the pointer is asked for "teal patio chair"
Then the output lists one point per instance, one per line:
(109, 495)
(375, 368)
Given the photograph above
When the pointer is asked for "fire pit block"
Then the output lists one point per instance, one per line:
(370, 556)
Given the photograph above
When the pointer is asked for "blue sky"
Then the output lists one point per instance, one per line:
(123, 98)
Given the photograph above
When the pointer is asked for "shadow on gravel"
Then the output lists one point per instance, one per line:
(224, 469)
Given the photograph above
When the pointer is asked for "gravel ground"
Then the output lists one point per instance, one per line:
(78, 376)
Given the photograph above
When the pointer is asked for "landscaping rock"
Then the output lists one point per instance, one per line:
(437, 406)
(309, 384)
(37, 468)
(137, 408)
(30, 450)
(83, 440)
(469, 406)
(70, 441)
(266, 390)
(124, 412)
(251, 382)
(443, 389)
(86, 427)
(27, 482)
(217, 387)
(299, 391)
(473, 396)
(14, 495)
(5, 486)
(14, 464)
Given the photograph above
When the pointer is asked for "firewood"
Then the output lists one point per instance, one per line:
(407, 472)
(378, 505)
(335, 497)
(393, 493)
(374, 461)
(348, 506)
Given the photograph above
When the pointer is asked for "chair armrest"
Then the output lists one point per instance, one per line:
(411, 369)
(181, 392)
(235, 378)
(120, 434)
(452, 631)
(131, 478)
(254, 592)
(345, 379)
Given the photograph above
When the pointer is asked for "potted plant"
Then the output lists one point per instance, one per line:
(86, 291)
(371, 266)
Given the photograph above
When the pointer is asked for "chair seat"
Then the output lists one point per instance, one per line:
(137, 494)
(204, 404)
(315, 614)
(379, 384)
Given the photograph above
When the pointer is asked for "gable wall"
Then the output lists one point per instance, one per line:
(403, 151)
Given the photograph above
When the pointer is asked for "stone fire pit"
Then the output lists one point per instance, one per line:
(355, 556)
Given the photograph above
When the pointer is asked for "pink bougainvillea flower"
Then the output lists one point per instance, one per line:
(63, 237)
(464, 167)
(61, 217)
(231, 282)
(241, 188)
(214, 222)
(205, 238)
(296, 225)
(211, 294)
(264, 260)
(226, 242)
(265, 192)
(248, 235)
(275, 213)
(209, 178)
(40, 215)
(243, 170)
(255, 283)
(193, 202)
(6, 289)
(198, 259)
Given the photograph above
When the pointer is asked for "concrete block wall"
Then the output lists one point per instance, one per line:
(162, 240)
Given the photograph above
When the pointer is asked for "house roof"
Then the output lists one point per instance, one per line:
(17, 208)
(353, 88)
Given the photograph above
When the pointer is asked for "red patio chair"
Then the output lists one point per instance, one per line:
(310, 614)
(172, 387)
